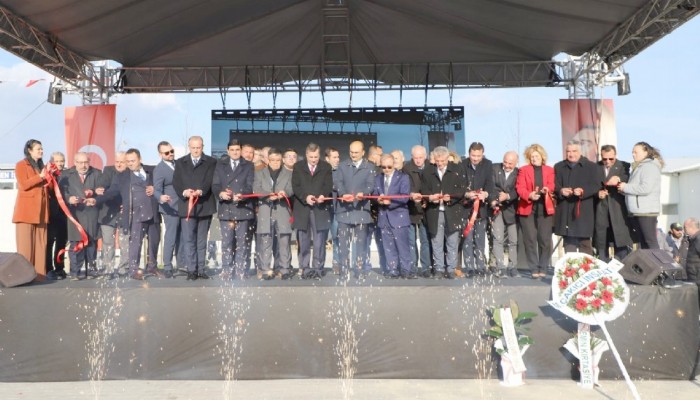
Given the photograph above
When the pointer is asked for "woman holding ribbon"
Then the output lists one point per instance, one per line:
(32, 207)
(535, 185)
(643, 193)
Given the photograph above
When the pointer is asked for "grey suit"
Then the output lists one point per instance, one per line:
(163, 184)
(273, 221)
(354, 216)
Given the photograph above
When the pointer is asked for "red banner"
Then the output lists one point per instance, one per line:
(91, 129)
(590, 122)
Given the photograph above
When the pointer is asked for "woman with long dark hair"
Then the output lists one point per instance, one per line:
(32, 207)
(643, 193)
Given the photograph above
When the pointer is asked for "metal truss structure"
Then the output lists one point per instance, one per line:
(581, 75)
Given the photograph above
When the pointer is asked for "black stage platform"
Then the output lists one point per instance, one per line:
(424, 329)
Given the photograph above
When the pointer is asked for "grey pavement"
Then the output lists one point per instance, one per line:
(361, 389)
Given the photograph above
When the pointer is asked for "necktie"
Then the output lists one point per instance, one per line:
(387, 183)
(234, 165)
(313, 169)
(82, 178)
(195, 161)
(141, 175)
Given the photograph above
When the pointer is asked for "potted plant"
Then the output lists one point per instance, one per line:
(511, 361)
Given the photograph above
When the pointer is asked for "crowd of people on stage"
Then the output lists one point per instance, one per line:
(428, 215)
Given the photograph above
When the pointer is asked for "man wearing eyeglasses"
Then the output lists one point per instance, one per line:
(168, 201)
(354, 179)
(393, 219)
(611, 223)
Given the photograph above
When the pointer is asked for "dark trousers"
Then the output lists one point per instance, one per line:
(84, 257)
(138, 231)
(397, 250)
(602, 246)
(646, 227)
(474, 247)
(194, 233)
(349, 234)
(537, 239)
(580, 244)
(305, 239)
(57, 234)
(234, 245)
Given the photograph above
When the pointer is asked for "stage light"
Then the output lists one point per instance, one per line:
(623, 86)
(55, 95)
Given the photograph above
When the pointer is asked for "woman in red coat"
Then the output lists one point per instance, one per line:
(535, 182)
(32, 207)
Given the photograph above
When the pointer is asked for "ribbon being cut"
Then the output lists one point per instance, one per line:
(275, 196)
(51, 172)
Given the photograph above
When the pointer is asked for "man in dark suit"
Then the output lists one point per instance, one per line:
(57, 229)
(479, 173)
(139, 212)
(354, 178)
(78, 187)
(576, 184)
(233, 177)
(444, 184)
(418, 235)
(312, 183)
(611, 223)
(393, 220)
(503, 227)
(109, 217)
(168, 207)
(192, 179)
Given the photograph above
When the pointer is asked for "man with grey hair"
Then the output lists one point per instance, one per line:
(692, 257)
(444, 184)
(399, 159)
(418, 234)
(109, 218)
(503, 226)
(576, 185)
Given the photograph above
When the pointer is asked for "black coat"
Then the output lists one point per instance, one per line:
(109, 213)
(239, 181)
(304, 185)
(613, 206)
(415, 175)
(583, 174)
(86, 215)
(453, 183)
(186, 176)
(130, 190)
(480, 178)
(501, 184)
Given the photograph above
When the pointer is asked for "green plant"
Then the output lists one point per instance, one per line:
(519, 320)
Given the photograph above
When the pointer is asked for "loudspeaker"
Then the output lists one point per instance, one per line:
(15, 270)
(647, 266)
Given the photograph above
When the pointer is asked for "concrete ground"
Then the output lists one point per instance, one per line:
(374, 389)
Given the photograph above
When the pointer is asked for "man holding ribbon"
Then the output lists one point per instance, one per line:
(312, 183)
(78, 187)
(192, 181)
(233, 181)
(503, 227)
(576, 185)
(444, 185)
(354, 179)
(478, 171)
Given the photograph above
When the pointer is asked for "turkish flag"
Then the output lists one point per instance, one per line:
(91, 129)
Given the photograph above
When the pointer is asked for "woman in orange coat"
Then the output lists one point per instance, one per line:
(32, 207)
(535, 182)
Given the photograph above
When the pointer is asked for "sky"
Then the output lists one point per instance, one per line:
(662, 109)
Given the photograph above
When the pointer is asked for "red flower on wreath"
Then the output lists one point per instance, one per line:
(581, 304)
(607, 296)
(569, 272)
(606, 281)
(586, 293)
(563, 284)
(592, 285)
(596, 303)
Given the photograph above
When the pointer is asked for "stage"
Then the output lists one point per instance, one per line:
(373, 329)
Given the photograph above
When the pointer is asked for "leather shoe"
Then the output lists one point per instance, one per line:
(426, 274)
(202, 275)
(286, 276)
(168, 273)
(513, 273)
(138, 275)
(157, 273)
(449, 275)
(51, 276)
(409, 276)
(191, 276)
(61, 274)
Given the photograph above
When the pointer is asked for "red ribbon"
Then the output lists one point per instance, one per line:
(51, 171)
(191, 201)
(475, 212)
(548, 203)
(260, 195)
(578, 205)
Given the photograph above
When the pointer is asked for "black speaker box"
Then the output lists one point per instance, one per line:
(647, 266)
(15, 270)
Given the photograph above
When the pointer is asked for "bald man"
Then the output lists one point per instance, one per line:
(503, 227)
(354, 179)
